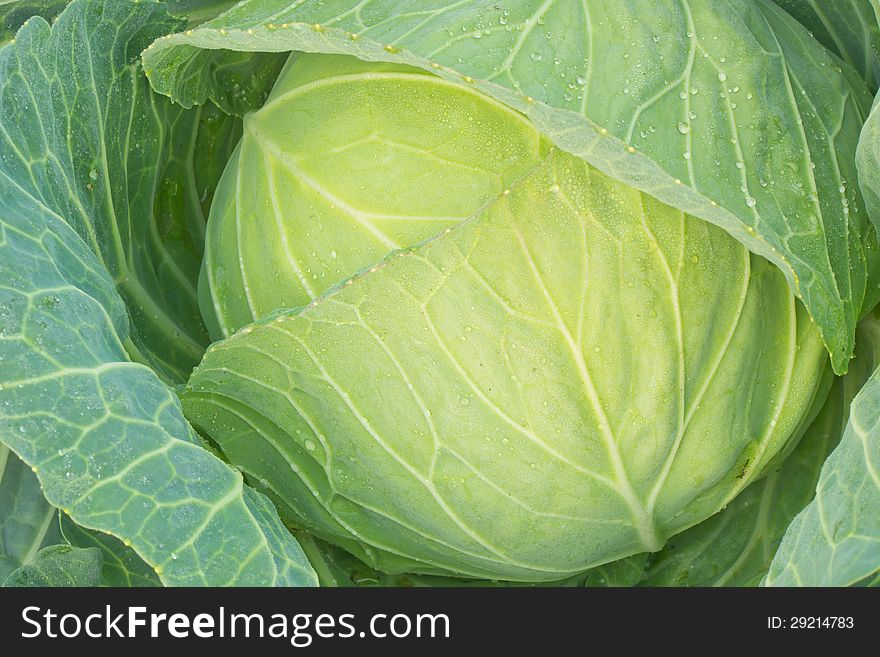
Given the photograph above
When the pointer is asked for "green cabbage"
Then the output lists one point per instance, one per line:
(439, 293)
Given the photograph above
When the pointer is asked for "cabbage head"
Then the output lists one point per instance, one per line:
(459, 292)
(540, 370)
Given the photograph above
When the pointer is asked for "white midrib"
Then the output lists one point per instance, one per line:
(675, 298)
(248, 295)
(757, 461)
(529, 25)
(42, 530)
(348, 527)
(428, 485)
(346, 207)
(279, 224)
(644, 523)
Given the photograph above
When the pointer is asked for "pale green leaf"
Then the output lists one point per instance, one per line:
(401, 417)
(336, 568)
(735, 547)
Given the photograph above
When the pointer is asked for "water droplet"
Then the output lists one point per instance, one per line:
(554, 188)
(536, 56)
(683, 127)
(310, 445)
(751, 201)
(722, 76)
(93, 174)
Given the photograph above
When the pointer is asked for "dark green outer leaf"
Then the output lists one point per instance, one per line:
(59, 565)
(770, 163)
(13, 14)
(84, 136)
(835, 540)
(872, 581)
(848, 28)
(121, 565)
(105, 436)
(27, 521)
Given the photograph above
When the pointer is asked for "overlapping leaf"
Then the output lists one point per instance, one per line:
(678, 107)
(27, 521)
(87, 139)
(121, 566)
(59, 565)
(501, 439)
(848, 28)
(736, 546)
(13, 13)
(835, 540)
(105, 436)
